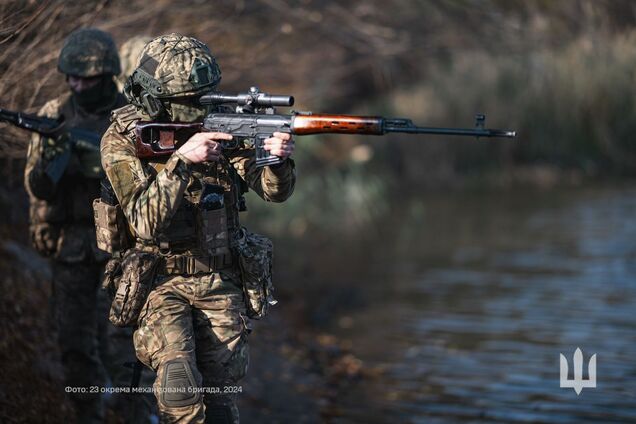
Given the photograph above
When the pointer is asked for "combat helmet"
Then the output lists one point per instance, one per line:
(171, 67)
(89, 52)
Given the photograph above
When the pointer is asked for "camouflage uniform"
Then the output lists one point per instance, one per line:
(192, 328)
(61, 219)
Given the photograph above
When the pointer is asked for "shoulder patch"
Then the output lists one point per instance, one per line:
(124, 117)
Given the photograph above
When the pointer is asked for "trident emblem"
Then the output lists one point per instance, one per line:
(578, 383)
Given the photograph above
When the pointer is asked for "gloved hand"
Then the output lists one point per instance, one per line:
(53, 147)
(44, 238)
(50, 166)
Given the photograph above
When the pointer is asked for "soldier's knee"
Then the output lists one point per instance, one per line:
(179, 386)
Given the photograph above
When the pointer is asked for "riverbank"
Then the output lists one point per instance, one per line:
(296, 372)
(339, 337)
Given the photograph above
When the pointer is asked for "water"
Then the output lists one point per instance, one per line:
(477, 297)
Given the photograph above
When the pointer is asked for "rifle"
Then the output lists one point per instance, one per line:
(255, 120)
(85, 141)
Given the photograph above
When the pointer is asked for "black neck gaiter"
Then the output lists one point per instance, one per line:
(97, 97)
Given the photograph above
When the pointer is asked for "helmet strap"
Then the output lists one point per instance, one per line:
(152, 105)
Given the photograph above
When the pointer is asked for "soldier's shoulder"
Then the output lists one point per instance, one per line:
(116, 146)
(53, 108)
(118, 143)
(124, 118)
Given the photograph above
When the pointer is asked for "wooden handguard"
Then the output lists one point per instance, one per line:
(342, 124)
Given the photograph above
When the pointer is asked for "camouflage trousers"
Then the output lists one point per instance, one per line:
(75, 300)
(192, 332)
(92, 350)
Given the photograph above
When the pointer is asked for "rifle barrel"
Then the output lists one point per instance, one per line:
(41, 125)
(304, 124)
(486, 132)
(406, 126)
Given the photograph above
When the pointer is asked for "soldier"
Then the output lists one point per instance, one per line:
(129, 55)
(183, 211)
(61, 219)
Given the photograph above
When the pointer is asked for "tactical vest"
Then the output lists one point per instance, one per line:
(70, 208)
(194, 229)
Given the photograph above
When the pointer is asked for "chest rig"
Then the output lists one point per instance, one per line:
(79, 185)
(206, 223)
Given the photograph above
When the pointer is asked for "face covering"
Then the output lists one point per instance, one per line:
(98, 96)
(179, 112)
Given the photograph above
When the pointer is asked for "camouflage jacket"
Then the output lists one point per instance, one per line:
(61, 217)
(159, 197)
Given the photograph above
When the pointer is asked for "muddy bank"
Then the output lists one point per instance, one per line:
(297, 374)
(31, 388)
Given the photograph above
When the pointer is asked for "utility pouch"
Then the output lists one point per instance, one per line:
(212, 231)
(255, 261)
(110, 227)
(112, 276)
(138, 271)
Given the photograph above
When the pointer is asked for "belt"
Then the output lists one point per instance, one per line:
(183, 264)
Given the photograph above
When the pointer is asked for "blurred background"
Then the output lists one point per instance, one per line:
(421, 279)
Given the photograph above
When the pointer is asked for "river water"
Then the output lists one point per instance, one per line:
(477, 295)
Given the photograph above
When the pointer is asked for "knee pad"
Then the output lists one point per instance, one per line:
(178, 387)
(219, 414)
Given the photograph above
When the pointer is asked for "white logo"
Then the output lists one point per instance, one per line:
(578, 383)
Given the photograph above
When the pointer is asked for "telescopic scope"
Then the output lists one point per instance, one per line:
(254, 98)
